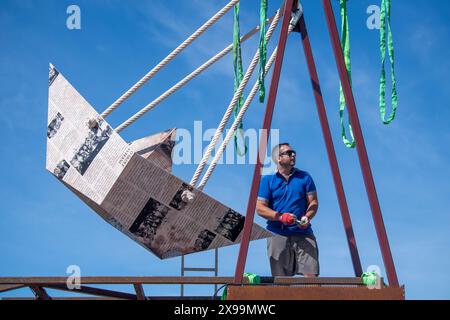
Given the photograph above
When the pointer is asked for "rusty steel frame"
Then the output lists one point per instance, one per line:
(328, 143)
(360, 147)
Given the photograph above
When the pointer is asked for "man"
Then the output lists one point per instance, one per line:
(288, 200)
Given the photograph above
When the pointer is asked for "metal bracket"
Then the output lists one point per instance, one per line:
(296, 14)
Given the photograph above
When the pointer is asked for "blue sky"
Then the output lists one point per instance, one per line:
(44, 228)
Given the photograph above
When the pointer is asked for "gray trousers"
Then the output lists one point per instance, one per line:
(291, 255)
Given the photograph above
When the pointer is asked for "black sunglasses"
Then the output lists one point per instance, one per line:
(290, 153)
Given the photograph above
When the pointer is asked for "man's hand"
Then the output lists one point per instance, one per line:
(304, 222)
(287, 218)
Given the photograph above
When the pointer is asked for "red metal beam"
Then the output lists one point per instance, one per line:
(139, 291)
(330, 148)
(360, 147)
(243, 250)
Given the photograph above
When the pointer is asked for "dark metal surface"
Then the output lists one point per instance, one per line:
(330, 148)
(360, 147)
(95, 291)
(251, 206)
(40, 293)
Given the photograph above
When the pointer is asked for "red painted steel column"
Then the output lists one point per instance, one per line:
(360, 147)
(243, 250)
(330, 149)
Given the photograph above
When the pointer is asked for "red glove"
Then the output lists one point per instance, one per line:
(287, 218)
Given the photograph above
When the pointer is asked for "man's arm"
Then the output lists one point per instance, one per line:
(313, 205)
(262, 208)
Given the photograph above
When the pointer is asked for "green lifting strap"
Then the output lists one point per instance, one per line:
(386, 16)
(262, 49)
(252, 279)
(238, 75)
(345, 43)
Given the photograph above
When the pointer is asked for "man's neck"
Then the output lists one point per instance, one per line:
(285, 171)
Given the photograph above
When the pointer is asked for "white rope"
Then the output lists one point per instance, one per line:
(237, 121)
(167, 59)
(184, 81)
(233, 102)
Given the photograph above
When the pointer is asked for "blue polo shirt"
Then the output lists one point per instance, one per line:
(287, 196)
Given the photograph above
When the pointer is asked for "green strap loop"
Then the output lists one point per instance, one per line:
(345, 44)
(238, 75)
(386, 15)
(262, 49)
(224, 293)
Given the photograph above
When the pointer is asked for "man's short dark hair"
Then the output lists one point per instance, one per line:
(276, 151)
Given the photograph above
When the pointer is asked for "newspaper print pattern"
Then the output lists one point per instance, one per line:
(130, 185)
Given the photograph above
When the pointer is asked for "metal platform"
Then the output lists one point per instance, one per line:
(313, 292)
(273, 288)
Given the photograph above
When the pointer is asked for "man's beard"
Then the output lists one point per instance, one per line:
(291, 164)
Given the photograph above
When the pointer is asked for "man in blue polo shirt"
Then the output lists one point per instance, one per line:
(288, 200)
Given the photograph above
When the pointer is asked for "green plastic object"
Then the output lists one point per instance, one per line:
(370, 278)
(252, 279)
